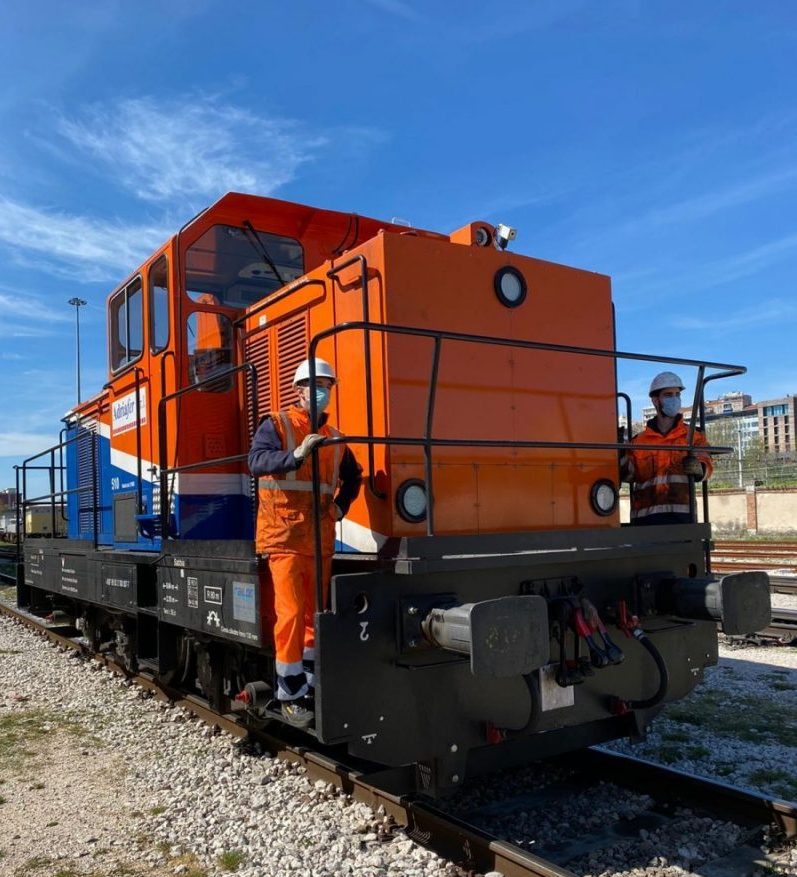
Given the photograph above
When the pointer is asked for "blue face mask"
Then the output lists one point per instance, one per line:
(321, 398)
(671, 405)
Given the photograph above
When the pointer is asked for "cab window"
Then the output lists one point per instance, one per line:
(126, 325)
(234, 267)
(159, 305)
(209, 349)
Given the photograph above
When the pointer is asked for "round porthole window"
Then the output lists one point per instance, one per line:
(411, 500)
(510, 286)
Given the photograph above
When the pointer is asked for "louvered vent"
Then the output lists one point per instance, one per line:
(257, 352)
(85, 476)
(291, 350)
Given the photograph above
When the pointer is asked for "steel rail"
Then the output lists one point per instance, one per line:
(470, 847)
(447, 836)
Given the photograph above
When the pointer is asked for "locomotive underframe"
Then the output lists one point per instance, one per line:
(384, 692)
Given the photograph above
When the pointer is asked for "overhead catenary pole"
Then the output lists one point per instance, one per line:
(78, 303)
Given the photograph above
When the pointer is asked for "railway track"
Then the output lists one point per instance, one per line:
(777, 557)
(462, 833)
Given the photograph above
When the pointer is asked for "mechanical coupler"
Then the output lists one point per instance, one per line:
(504, 637)
(740, 600)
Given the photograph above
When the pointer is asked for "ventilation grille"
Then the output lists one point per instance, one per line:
(291, 350)
(86, 476)
(257, 353)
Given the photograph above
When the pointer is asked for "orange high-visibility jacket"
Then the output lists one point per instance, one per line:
(285, 510)
(659, 485)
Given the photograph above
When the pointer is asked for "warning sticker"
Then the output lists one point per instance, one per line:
(552, 695)
(193, 592)
(243, 602)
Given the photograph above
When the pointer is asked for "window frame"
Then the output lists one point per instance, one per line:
(155, 351)
(221, 315)
(185, 270)
(124, 290)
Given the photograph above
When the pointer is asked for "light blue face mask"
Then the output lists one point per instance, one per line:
(671, 405)
(321, 398)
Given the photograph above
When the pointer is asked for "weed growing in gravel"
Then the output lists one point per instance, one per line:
(2, 799)
(749, 717)
(8, 593)
(157, 810)
(676, 736)
(668, 754)
(34, 865)
(10, 652)
(230, 860)
(189, 859)
(21, 732)
(782, 783)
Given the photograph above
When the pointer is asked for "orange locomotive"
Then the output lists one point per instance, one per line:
(482, 582)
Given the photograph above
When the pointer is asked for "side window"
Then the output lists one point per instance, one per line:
(159, 305)
(209, 349)
(127, 325)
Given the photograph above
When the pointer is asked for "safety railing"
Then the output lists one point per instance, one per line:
(55, 498)
(427, 441)
(163, 445)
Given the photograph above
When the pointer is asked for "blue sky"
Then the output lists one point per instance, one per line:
(652, 141)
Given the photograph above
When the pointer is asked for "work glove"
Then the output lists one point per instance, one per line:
(337, 512)
(306, 445)
(693, 466)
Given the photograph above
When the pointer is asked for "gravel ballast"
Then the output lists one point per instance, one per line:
(97, 778)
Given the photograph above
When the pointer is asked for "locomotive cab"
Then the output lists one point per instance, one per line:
(486, 606)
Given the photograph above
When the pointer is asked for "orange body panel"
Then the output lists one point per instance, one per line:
(487, 393)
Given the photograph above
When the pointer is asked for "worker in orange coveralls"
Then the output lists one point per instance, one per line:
(279, 459)
(660, 479)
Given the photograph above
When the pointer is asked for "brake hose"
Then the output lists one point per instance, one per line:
(664, 677)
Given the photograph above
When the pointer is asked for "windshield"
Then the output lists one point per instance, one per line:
(234, 267)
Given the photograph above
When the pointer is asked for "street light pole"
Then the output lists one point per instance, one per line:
(78, 303)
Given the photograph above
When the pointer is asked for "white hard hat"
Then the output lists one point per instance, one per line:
(322, 370)
(664, 380)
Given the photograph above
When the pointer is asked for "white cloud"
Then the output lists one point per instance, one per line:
(23, 444)
(29, 307)
(163, 150)
(714, 201)
(397, 7)
(74, 246)
(773, 311)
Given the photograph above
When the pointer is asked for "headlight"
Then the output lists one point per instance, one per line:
(603, 497)
(411, 500)
(482, 236)
(510, 286)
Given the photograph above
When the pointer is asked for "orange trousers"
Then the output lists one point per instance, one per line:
(293, 581)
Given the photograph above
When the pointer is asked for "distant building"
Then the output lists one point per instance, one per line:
(743, 427)
(730, 403)
(776, 420)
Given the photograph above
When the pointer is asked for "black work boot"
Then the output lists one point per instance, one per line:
(297, 713)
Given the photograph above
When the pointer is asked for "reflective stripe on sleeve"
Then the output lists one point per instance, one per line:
(268, 483)
(663, 479)
(660, 509)
(294, 668)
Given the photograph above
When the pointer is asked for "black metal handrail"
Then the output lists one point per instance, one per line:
(369, 408)
(23, 502)
(163, 451)
(427, 442)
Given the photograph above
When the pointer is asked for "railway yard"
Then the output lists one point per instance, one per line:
(103, 775)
